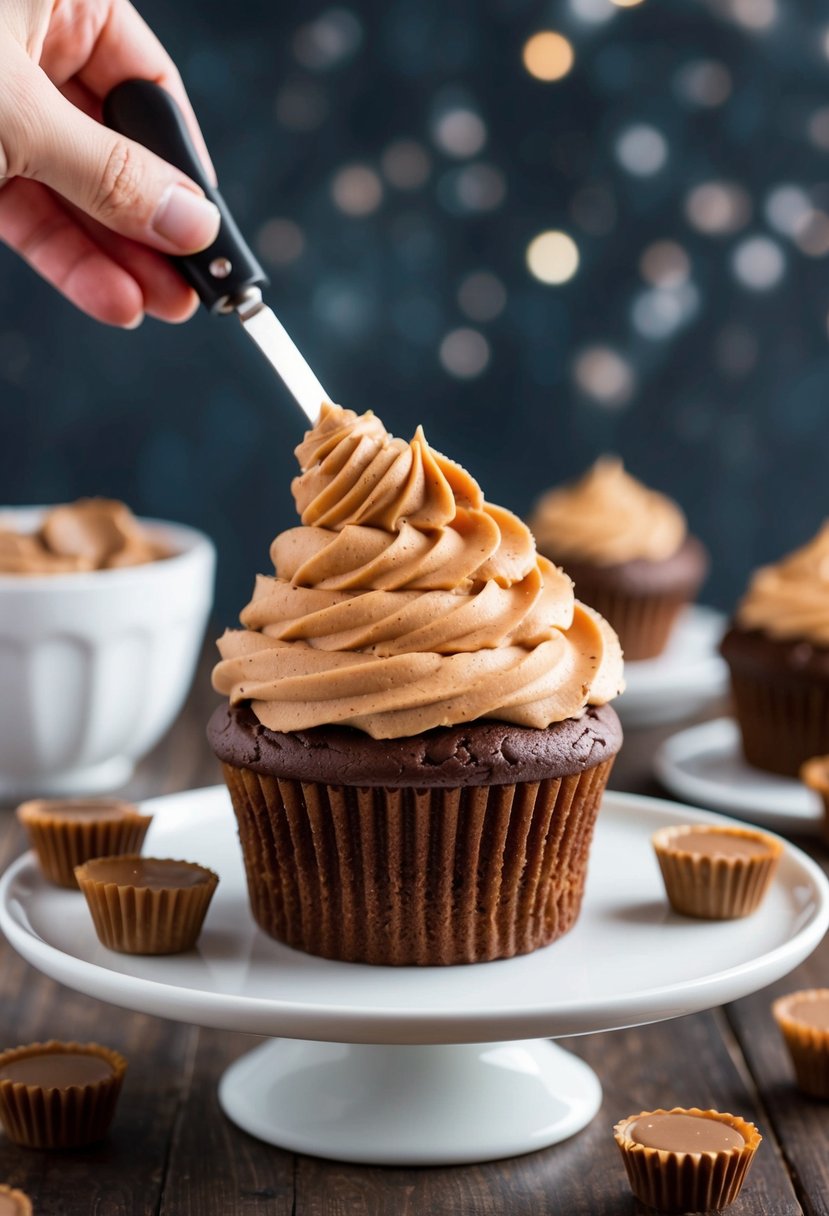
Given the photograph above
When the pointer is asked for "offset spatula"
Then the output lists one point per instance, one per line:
(226, 276)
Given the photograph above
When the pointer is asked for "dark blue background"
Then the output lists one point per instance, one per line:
(727, 411)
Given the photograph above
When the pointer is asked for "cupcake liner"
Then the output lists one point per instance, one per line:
(808, 1045)
(405, 876)
(687, 1182)
(643, 622)
(22, 1200)
(61, 843)
(37, 1116)
(783, 721)
(715, 888)
(139, 920)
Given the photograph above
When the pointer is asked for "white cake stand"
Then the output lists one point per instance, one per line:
(437, 1065)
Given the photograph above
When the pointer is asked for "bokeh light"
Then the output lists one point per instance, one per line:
(665, 264)
(704, 82)
(641, 149)
(593, 11)
(627, 3)
(818, 128)
(482, 296)
(459, 132)
(548, 56)
(718, 208)
(464, 353)
(812, 237)
(406, 164)
(752, 14)
(474, 188)
(553, 257)
(758, 263)
(787, 208)
(328, 40)
(605, 376)
(280, 242)
(357, 190)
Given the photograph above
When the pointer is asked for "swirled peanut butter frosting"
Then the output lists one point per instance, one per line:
(90, 534)
(790, 600)
(607, 517)
(404, 601)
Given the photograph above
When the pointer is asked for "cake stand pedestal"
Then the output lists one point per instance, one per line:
(425, 1065)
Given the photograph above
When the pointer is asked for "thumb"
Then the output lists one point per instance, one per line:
(117, 182)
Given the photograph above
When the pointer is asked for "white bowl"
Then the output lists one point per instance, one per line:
(95, 666)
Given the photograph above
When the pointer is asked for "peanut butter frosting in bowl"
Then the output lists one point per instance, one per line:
(790, 599)
(90, 534)
(405, 601)
(607, 517)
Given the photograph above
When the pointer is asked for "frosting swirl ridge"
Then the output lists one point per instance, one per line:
(607, 517)
(790, 599)
(405, 601)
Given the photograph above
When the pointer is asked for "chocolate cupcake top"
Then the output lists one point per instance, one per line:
(607, 517)
(406, 602)
(90, 534)
(790, 599)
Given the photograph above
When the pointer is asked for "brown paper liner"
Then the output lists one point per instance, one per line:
(138, 920)
(715, 888)
(815, 774)
(643, 622)
(416, 876)
(61, 843)
(39, 1117)
(783, 722)
(687, 1182)
(22, 1201)
(808, 1045)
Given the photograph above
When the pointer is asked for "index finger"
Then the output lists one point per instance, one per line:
(125, 49)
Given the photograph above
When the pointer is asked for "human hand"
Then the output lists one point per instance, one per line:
(91, 211)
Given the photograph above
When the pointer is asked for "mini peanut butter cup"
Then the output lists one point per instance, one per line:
(814, 773)
(66, 832)
(803, 1018)
(713, 872)
(59, 1095)
(14, 1202)
(146, 905)
(686, 1160)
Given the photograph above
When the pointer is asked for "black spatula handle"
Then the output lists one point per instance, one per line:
(145, 112)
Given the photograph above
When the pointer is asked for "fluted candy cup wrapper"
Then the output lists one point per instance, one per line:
(67, 832)
(807, 1038)
(628, 549)
(48, 1115)
(403, 609)
(777, 651)
(711, 885)
(687, 1181)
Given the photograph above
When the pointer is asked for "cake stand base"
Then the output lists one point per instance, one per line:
(95, 779)
(391, 1105)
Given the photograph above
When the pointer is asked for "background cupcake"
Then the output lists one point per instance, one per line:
(777, 651)
(627, 549)
(417, 735)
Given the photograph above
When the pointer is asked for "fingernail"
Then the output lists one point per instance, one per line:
(186, 220)
(134, 324)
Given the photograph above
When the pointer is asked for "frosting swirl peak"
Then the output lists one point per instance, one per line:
(790, 600)
(607, 517)
(405, 601)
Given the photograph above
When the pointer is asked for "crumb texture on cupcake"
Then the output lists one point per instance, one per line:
(405, 602)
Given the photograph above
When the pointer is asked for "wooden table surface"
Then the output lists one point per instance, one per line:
(171, 1152)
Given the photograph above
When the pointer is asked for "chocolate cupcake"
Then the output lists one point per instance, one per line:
(146, 905)
(66, 832)
(803, 1018)
(777, 651)
(417, 735)
(686, 1160)
(628, 551)
(716, 873)
(59, 1095)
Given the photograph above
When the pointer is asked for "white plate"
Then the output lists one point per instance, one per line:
(705, 764)
(686, 677)
(629, 959)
